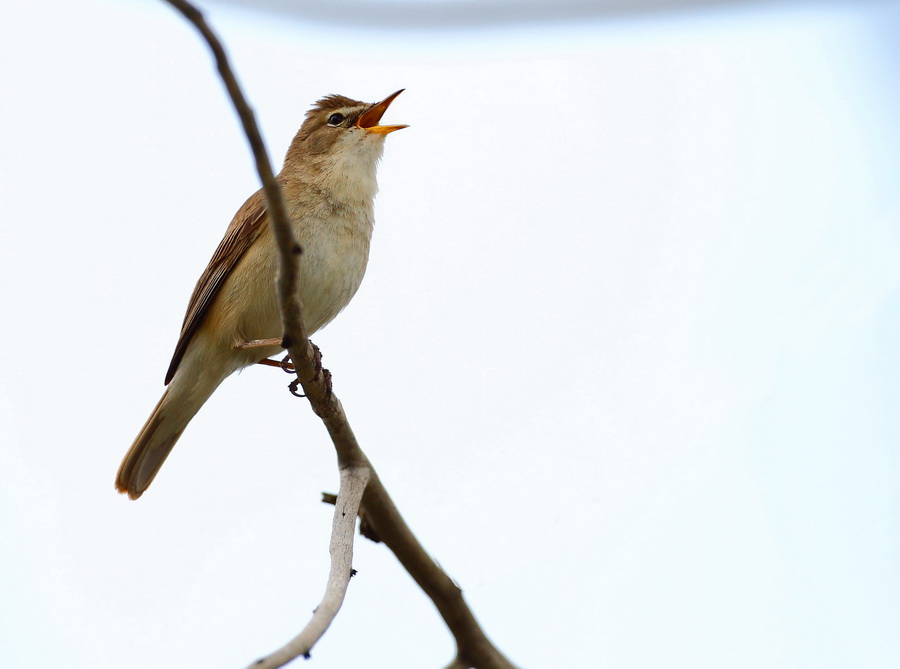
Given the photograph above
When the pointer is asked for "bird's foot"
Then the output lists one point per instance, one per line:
(293, 385)
(319, 373)
(285, 365)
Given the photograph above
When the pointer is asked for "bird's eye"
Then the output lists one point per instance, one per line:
(335, 119)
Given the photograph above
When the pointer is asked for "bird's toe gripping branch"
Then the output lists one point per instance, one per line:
(319, 371)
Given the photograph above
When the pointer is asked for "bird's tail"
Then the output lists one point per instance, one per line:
(173, 412)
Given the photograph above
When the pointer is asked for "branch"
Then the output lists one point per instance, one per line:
(354, 470)
(277, 211)
(353, 484)
(473, 646)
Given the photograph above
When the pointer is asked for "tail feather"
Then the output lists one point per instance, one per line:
(179, 404)
(150, 449)
(196, 379)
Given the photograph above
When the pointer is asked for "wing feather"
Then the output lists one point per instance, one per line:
(243, 230)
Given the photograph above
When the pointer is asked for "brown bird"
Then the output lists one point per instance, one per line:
(233, 318)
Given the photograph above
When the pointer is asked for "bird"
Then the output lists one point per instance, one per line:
(233, 317)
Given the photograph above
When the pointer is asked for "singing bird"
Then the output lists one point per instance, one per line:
(233, 319)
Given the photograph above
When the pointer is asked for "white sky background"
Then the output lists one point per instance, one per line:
(626, 353)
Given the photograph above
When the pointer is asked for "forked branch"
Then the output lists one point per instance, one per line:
(474, 649)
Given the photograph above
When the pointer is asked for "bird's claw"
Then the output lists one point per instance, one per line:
(286, 365)
(293, 385)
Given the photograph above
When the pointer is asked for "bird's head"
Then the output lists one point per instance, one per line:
(344, 129)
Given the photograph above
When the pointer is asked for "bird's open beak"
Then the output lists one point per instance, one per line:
(368, 121)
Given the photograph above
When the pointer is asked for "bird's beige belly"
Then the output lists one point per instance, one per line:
(331, 271)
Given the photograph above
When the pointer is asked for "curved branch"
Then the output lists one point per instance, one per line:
(473, 646)
(274, 200)
(346, 508)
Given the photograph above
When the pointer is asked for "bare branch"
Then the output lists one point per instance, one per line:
(473, 646)
(353, 484)
(274, 200)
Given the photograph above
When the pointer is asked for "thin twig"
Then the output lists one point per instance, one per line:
(473, 646)
(353, 484)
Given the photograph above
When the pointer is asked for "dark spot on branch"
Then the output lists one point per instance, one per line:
(353, 573)
(297, 250)
(286, 342)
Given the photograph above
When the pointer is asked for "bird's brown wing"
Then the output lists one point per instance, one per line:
(245, 227)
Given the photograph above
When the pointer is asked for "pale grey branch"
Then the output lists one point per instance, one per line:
(346, 508)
